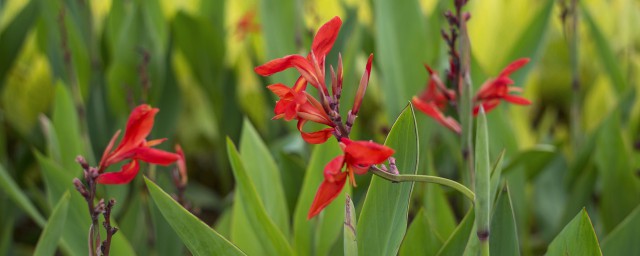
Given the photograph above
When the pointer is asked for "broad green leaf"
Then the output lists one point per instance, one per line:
(13, 36)
(318, 234)
(620, 187)
(482, 176)
(65, 123)
(400, 51)
(19, 198)
(349, 230)
(57, 181)
(166, 238)
(438, 211)
(623, 240)
(383, 221)
(504, 234)
(608, 58)
(264, 174)
(421, 238)
(577, 238)
(457, 242)
(270, 238)
(197, 236)
(53, 229)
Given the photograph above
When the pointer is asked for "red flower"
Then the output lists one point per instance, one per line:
(133, 146)
(493, 90)
(358, 157)
(435, 99)
(295, 102)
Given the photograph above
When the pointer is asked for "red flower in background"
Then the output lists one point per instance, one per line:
(133, 146)
(435, 99)
(358, 157)
(295, 102)
(494, 90)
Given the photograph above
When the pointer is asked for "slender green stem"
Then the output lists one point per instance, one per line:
(423, 178)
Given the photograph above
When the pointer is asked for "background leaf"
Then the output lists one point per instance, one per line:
(53, 230)
(577, 238)
(197, 236)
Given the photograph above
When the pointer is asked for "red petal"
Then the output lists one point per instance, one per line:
(362, 88)
(125, 175)
(430, 109)
(318, 137)
(104, 162)
(516, 99)
(362, 154)
(300, 85)
(310, 113)
(138, 128)
(333, 170)
(326, 193)
(279, 89)
(326, 36)
(517, 64)
(283, 63)
(155, 156)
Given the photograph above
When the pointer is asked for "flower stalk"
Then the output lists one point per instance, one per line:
(423, 178)
(482, 183)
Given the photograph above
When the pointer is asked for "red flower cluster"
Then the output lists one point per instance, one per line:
(295, 103)
(436, 97)
(358, 157)
(134, 147)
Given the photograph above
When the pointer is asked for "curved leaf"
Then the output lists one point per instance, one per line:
(53, 230)
(197, 236)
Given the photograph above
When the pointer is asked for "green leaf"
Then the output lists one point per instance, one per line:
(197, 236)
(457, 242)
(533, 159)
(496, 175)
(349, 230)
(483, 175)
(577, 238)
(53, 229)
(623, 240)
(166, 239)
(620, 187)
(383, 220)
(13, 36)
(65, 123)
(608, 58)
(421, 238)
(13, 191)
(400, 51)
(270, 238)
(319, 233)
(504, 234)
(264, 174)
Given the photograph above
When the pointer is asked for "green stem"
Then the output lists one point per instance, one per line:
(423, 178)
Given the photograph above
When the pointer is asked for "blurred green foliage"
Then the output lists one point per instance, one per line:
(71, 70)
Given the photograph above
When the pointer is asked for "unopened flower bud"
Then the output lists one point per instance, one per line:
(80, 187)
(82, 162)
(363, 86)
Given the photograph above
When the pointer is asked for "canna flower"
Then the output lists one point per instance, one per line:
(358, 157)
(435, 99)
(134, 147)
(295, 102)
(494, 90)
